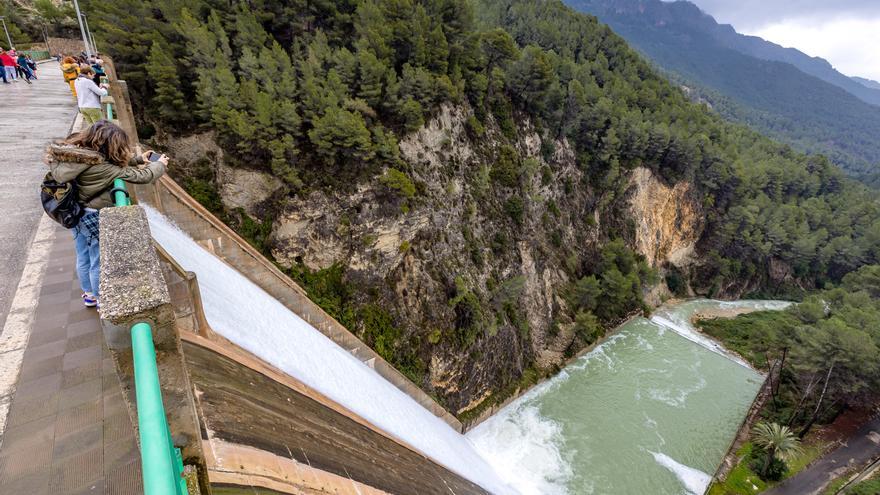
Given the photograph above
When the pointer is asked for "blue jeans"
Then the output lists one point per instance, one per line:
(88, 261)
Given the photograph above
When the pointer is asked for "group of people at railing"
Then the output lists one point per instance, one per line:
(87, 80)
(17, 66)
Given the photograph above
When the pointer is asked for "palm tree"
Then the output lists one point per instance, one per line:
(777, 441)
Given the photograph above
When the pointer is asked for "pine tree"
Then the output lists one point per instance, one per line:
(341, 137)
(168, 101)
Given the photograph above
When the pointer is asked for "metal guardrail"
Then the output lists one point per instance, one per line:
(161, 461)
(36, 55)
(120, 193)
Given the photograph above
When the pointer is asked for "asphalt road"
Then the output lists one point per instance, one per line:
(859, 450)
(30, 115)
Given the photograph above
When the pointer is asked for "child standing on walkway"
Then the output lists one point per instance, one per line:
(88, 96)
(70, 69)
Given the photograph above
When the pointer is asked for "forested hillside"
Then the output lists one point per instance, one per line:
(759, 88)
(454, 181)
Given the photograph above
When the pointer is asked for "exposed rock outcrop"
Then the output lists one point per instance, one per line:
(508, 245)
(668, 219)
(246, 189)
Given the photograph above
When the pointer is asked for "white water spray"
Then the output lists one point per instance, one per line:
(694, 480)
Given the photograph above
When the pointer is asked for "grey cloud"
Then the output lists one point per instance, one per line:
(746, 14)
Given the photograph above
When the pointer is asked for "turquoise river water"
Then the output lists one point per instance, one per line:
(652, 410)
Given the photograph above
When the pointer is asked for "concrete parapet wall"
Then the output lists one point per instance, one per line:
(133, 290)
(170, 199)
(131, 278)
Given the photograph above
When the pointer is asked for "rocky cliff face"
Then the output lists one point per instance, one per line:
(668, 219)
(499, 222)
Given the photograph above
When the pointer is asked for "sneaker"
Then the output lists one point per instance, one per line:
(89, 300)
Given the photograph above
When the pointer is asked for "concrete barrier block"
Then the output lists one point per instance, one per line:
(132, 286)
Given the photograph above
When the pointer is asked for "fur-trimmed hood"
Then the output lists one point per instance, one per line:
(67, 161)
(94, 175)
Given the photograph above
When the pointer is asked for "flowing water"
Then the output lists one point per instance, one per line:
(650, 411)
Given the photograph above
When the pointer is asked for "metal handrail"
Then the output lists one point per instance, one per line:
(161, 461)
(120, 193)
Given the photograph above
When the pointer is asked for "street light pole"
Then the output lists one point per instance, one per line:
(46, 39)
(90, 35)
(82, 30)
(3, 20)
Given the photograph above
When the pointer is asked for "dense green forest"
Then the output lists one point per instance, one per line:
(28, 22)
(821, 356)
(320, 93)
(765, 200)
(770, 96)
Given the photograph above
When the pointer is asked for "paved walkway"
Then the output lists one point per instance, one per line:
(30, 114)
(858, 451)
(67, 430)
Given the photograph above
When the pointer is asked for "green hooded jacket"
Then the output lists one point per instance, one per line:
(94, 175)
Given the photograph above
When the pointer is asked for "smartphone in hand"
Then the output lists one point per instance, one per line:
(154, 157)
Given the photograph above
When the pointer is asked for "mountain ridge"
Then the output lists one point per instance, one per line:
(685, 13)
(773, 97)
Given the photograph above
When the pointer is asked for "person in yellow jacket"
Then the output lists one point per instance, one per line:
(70, 71)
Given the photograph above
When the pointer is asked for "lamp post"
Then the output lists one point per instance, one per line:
(82, 29)
(3, 20)
(90, 35)
(46, 39)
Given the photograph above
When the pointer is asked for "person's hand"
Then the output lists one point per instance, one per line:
(146, 157)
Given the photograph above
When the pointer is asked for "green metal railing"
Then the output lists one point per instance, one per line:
(120, 193)
(161, 461)
(36, 55)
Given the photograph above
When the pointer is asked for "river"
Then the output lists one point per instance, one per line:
(651, 410)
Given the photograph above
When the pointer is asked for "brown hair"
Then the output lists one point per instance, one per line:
(86, 70)
(68, 60)
(106, 138)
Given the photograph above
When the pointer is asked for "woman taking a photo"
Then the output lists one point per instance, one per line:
(93, 158)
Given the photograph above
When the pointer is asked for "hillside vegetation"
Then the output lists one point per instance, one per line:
(453, 179)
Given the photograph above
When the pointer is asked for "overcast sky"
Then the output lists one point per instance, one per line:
(844, 32)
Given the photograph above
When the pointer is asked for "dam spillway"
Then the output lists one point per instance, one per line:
(244, 314)
(653, 409)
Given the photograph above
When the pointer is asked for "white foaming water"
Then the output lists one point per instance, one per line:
(694, 480)
(590, 429)
(243, 313)
(525, 449)
(688, 332)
